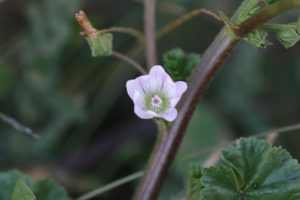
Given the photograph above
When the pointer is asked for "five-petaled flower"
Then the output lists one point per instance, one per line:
(156, 94)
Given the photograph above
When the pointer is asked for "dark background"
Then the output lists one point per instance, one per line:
(78, 104)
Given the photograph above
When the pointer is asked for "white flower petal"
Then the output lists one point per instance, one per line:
(141, 113)
(170, 115)
(180, 88)
(158, 71)
(160, 79)
(135, 86)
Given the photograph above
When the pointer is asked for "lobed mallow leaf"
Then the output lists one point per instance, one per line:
(195, 183)
(100, 44)
(179, 64)
(252, 169)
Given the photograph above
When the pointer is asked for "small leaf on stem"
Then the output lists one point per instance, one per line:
(179, 64)
(257, 38)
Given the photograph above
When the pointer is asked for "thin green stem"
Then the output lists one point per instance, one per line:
(111, 186)
(273, 26)
(130, 61)
(184, 18)
(18, 126)
(131, 31)
(285, 129)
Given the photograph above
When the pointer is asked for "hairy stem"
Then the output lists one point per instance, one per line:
(130, 61)
(212, 60)
(149, 23)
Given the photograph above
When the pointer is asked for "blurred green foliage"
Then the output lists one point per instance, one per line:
(17, 186)
(78, 104)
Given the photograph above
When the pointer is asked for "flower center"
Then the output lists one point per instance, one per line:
(156, 101)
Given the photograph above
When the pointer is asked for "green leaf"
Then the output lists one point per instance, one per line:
(252, 170)
(287, 34)
(195, 186)
(100, 44)
(22, 191)
(219, 182)
(257, 38)
(298, 26)
(180, 65)
(43, 189)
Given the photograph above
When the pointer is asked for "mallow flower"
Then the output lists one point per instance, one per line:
(156, 94)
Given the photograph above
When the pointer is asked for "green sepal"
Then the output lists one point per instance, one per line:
(179, 64)
(100, 44)
(22, 191)
(257, 38)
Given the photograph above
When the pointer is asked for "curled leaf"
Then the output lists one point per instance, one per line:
(287, 34)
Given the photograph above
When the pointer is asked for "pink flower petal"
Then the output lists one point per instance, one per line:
(141, 113)
(170, 115)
